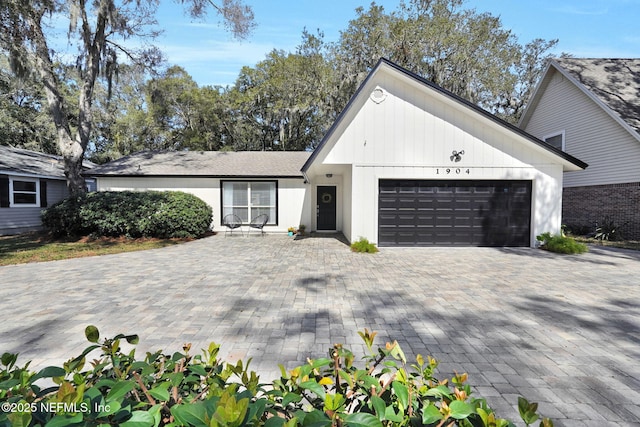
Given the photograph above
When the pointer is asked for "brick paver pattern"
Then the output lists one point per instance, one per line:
(560, 330)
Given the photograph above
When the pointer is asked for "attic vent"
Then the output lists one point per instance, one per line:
(378, 95)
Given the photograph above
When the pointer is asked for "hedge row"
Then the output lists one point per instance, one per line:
(183, 389)
(162, 214)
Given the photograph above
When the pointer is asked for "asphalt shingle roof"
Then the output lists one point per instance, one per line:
(207, 163)
(616, 82)
(28, 162)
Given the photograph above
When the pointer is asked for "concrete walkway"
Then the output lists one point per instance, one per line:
(561, 330)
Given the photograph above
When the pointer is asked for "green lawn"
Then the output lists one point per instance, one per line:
(37, 247)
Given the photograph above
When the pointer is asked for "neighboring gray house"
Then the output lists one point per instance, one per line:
(407, 163)
(590, 108)
(29, 181)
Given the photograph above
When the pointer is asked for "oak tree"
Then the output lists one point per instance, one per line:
(102, 31)
(467, 52)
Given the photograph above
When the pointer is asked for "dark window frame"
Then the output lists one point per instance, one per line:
(272, 221)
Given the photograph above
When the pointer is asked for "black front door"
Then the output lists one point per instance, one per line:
(326, 208)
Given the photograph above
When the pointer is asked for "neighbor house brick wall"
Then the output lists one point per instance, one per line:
(582, 206)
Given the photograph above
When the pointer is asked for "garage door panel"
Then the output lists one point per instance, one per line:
(456, 213)
(406, 221)
(444, 189)
(425, 221)
(483, 190)
(389, 202)
(406, 204)
(426, 190)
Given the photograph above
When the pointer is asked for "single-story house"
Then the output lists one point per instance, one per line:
(590, 108)
(29, 181)
(247, 183)
(407, 163)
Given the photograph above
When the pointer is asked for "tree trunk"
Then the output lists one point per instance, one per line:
(72, 152)
(72, 149)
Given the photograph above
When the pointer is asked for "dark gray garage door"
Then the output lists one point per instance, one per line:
(454, 213)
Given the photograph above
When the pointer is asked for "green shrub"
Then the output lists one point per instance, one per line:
(162, 214)
(608, 230)
(181, 215)
(200, 390)
(561, 244)
(63, 218)
(363, 245)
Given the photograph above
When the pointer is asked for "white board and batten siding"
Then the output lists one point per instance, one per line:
(292, 194)
(407, 132)
(591, 135)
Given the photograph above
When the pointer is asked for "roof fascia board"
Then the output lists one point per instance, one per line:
(263, 177)
(31, 175)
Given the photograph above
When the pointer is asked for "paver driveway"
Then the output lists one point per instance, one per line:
(561, 330)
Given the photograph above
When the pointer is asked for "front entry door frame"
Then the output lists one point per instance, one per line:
(326, 208)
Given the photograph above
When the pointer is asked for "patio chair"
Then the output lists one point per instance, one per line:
(258, 223)
(232, 222)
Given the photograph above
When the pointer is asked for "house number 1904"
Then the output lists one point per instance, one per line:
(448, 171)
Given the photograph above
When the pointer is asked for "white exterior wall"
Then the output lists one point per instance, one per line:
(411, 135)
(591, 135)
(293, 196)
(348, 198)
(294, 205)
(412, 128)
(546, 207)
(341, 179)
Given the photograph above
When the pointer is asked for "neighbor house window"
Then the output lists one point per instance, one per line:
(555, 140)
(24, 192)
(248, 199)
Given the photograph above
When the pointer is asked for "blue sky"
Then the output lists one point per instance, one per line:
(585, 28)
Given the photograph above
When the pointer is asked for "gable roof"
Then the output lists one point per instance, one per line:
(18, 161)
(246, 164)
(613, 84)
(386, 65)
(23, 162)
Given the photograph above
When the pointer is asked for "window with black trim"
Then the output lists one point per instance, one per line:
(24, 192)
(248, 199)
(555, 140)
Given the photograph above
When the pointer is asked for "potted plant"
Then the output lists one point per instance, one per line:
(301, 229)
(291, 231)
